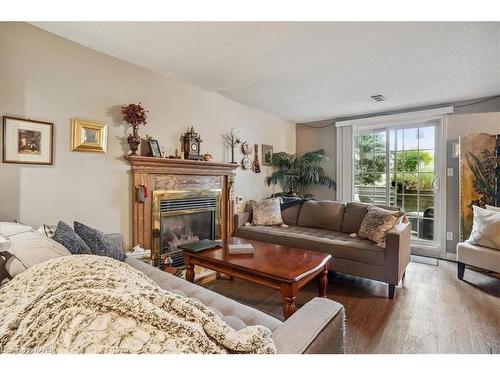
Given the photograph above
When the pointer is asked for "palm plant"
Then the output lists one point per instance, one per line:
(296, 172)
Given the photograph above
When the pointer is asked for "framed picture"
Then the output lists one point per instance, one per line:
(27, 141)
(154, 147)
(267, 154)
(89, 136)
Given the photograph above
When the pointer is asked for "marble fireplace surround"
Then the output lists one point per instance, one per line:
(159, 174)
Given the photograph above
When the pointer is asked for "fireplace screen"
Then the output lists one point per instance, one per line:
(182, 217)
(184, 228)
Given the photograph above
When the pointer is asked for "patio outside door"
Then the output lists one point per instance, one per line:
(399, 166)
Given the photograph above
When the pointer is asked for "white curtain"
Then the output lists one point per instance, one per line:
(344, 163)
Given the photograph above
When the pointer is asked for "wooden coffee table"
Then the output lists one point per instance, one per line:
(280, 267)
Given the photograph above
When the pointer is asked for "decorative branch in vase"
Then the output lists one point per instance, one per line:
(231, 140)
(134, 115)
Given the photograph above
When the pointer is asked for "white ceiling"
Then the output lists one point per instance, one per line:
(304, 71)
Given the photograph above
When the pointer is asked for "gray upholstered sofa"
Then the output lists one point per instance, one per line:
(327, 226)
(317, 327)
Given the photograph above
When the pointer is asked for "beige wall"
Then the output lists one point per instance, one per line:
(310, 139)
(462, 124)
(48, 78)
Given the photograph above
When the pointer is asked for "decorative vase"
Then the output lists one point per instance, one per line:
(134, 141)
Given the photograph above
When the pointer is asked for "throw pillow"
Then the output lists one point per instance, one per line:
(47, 230)
(493, 208)
(267, 212)
(98, 242)
(377, 222)
(485, 228)
(29, 249)
(67, 237)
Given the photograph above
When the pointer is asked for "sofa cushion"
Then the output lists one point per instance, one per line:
(339, 245)
(478, 256)
(355, 212)
(321, 214)
(290, 215)
(353, 216)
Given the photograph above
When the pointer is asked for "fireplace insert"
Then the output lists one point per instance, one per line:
(181, 217)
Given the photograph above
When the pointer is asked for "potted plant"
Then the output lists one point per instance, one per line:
(134, 115)
(297, 172)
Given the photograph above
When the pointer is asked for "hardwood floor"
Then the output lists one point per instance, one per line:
(432, 312)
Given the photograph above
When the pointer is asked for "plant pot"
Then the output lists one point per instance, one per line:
(134, 145)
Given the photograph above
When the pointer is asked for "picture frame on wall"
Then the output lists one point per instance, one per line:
(27, 141)
(89, 136)
(267, 154)
(154, 148)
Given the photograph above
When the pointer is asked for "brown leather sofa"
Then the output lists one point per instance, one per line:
(327, 226)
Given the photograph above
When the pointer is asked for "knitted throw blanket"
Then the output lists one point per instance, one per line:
(91, 304)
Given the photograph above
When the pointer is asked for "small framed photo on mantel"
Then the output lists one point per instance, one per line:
(27, 141)
(154, 148)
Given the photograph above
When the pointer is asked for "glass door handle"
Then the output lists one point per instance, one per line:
(436, 183)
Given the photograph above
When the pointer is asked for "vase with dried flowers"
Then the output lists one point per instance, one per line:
(134, 115)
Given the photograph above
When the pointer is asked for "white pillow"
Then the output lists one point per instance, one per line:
(31, 248)
(485, 228)
(493, 208)
(8, 229)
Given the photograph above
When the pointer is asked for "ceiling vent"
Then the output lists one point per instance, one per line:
(378, 98)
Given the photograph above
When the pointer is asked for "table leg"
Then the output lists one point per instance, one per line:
(289, 292)
(323, 282)
(189, 272)
(288, 307)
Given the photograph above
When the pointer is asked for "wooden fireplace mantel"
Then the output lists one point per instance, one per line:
(148, 164)
(176, 174)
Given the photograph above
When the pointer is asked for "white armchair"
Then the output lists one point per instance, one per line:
(477, 256)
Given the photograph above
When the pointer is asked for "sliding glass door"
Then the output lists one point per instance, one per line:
(397, 166)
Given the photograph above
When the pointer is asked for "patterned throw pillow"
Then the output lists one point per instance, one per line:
(98, 242)
(376, 223)
(47, 230)
(267, 212)
(67, 237)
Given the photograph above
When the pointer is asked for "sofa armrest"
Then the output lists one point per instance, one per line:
(240, 218)
(397, 252)
(316, 328)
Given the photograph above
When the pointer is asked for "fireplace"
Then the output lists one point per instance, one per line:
(184, 216)
(176, 179)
